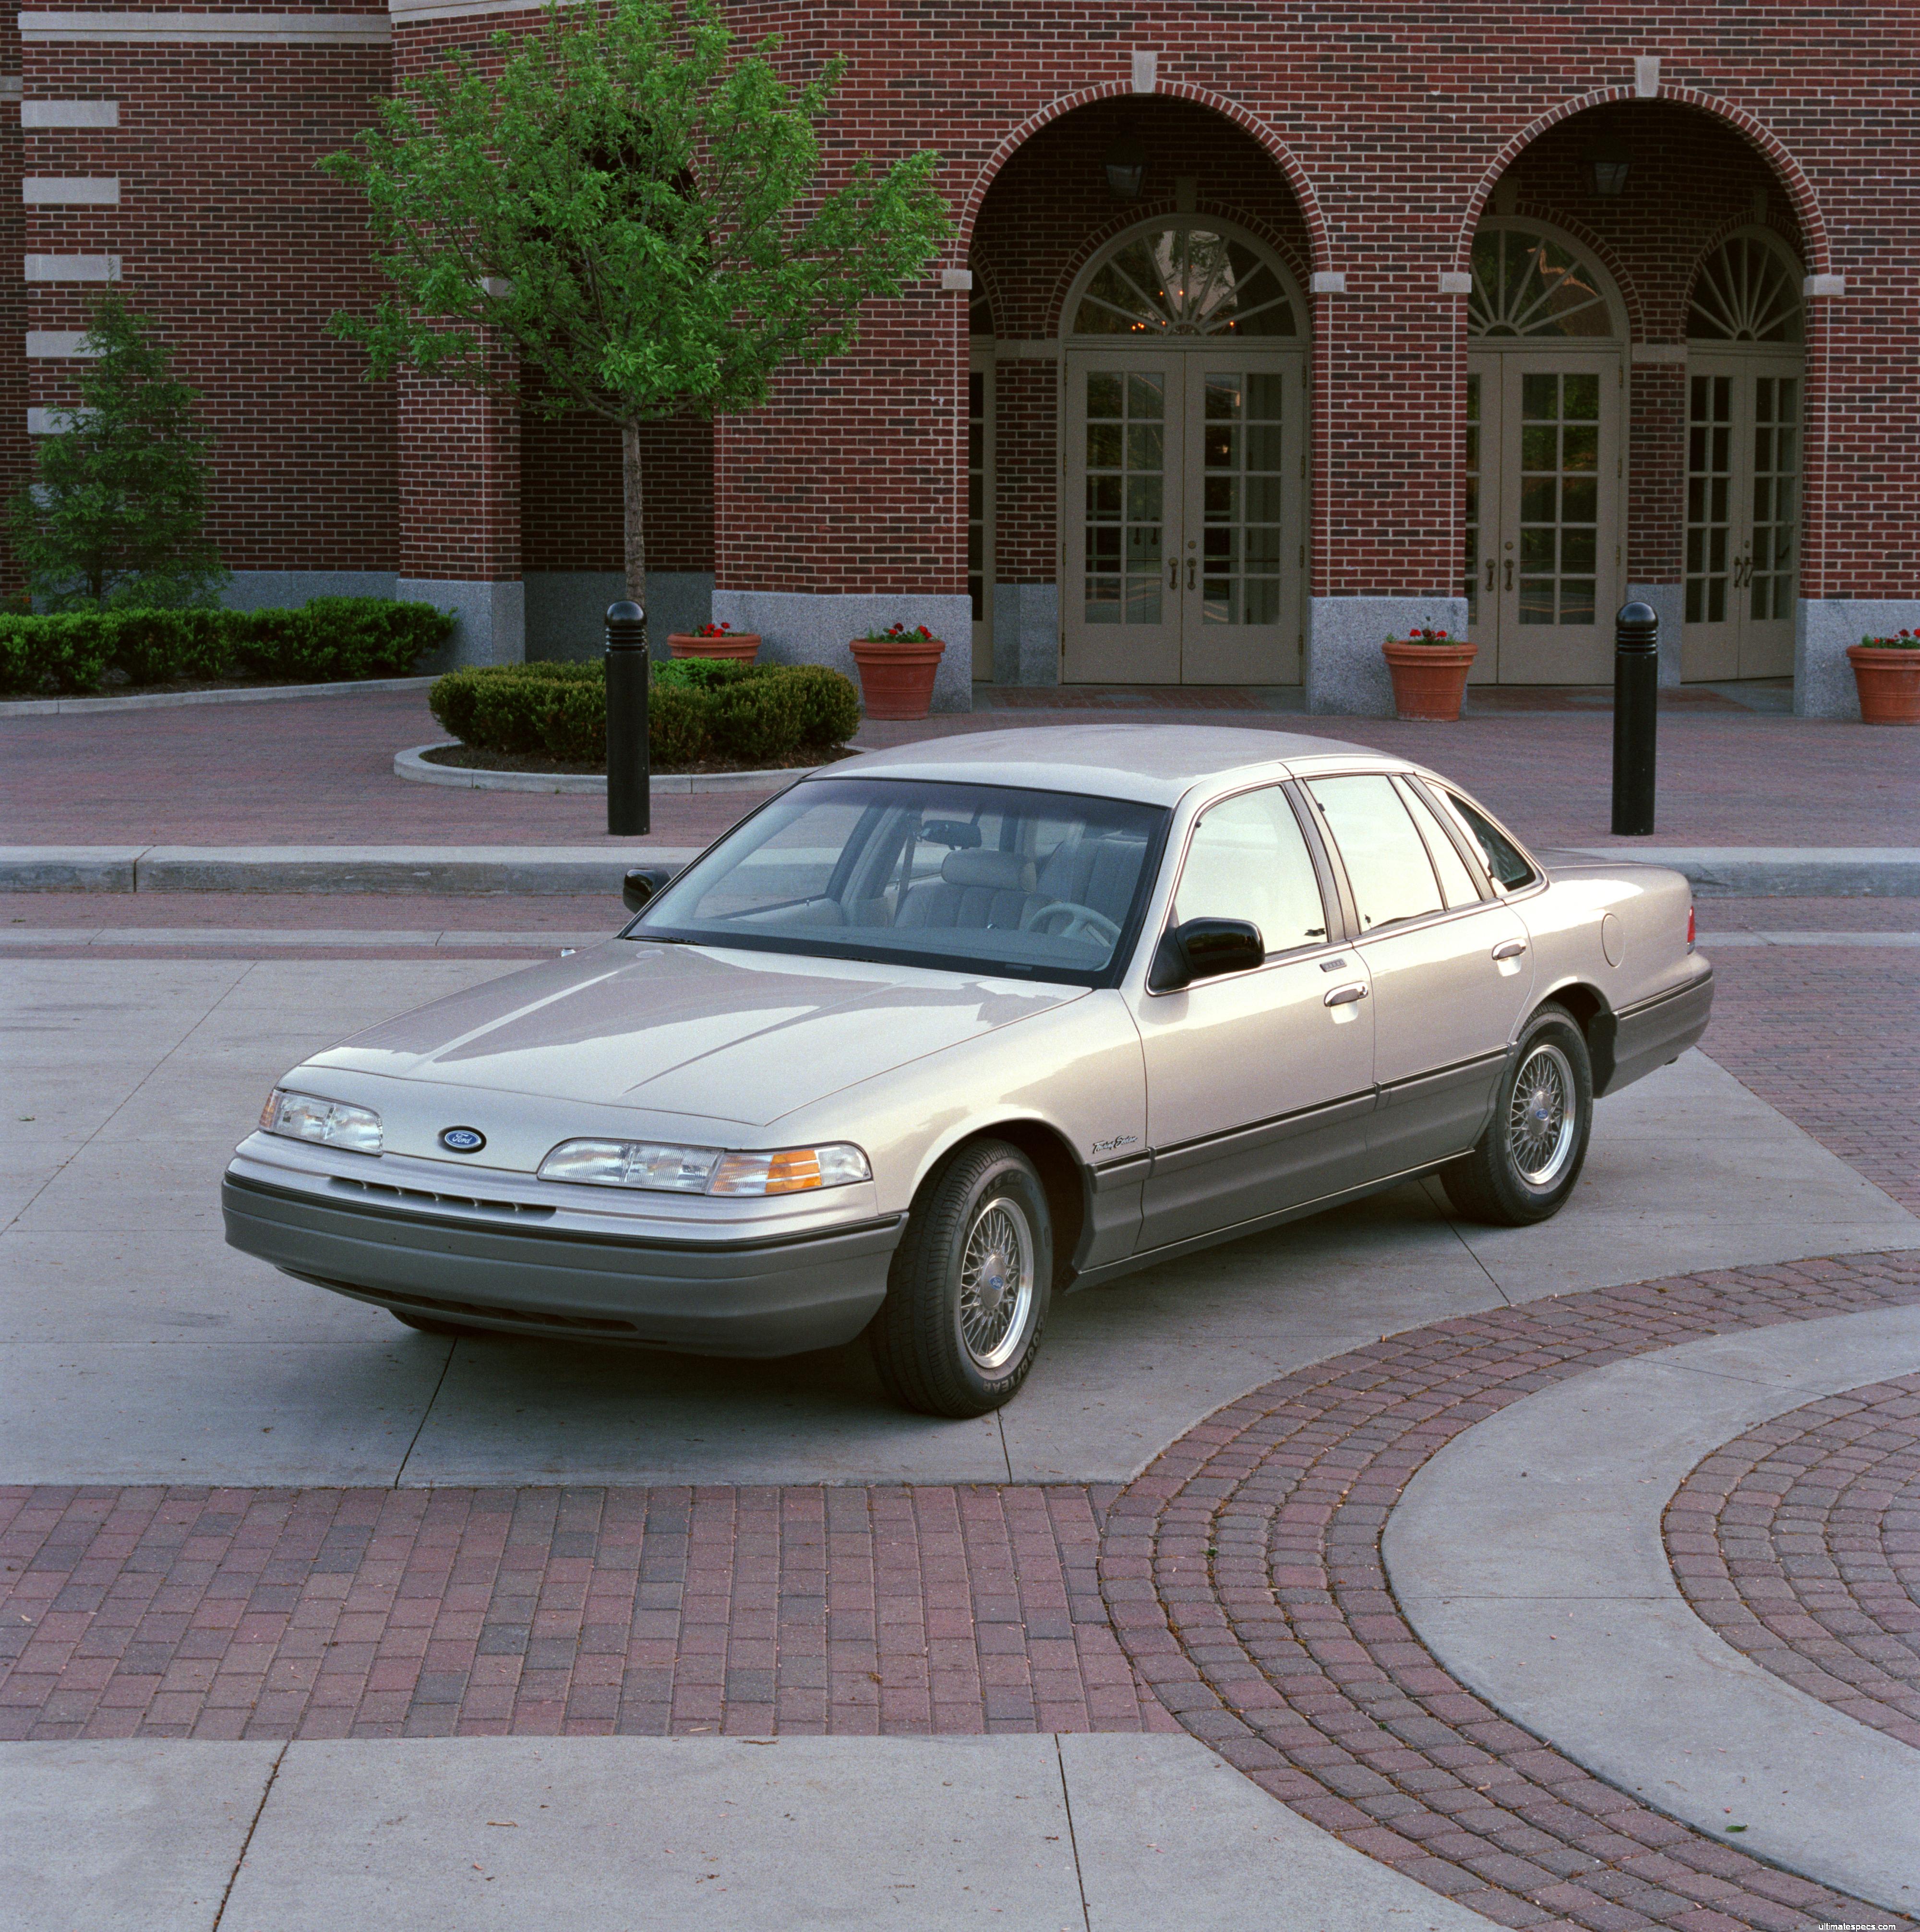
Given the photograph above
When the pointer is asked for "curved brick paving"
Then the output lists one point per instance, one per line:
(1799, 1544)
(1244, 1574)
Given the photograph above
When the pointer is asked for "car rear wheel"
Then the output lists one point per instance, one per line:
(1530, 1156)
(968, 1292)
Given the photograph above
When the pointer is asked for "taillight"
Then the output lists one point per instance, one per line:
(1690, 928)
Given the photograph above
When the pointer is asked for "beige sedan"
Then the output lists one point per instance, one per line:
(942, 1032)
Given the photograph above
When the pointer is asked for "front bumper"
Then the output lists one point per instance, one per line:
(707, 1292)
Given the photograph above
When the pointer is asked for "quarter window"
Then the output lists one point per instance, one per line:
(1503, 859)
(1455, 881)
(1387, 860)
(1248, 860)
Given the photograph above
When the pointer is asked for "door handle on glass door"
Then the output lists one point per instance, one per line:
(1509, 573)
(1343, 996)
(1172, 573)
(1492, 566)
(1190, 568)
(1509, 949)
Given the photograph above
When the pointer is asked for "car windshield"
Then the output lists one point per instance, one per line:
(975, 878)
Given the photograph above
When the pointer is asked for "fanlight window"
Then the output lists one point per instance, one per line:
(1526, 283)
(1185, 281)
(1746, 292)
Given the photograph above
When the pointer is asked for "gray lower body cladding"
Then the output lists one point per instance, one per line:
(763, 1300)
(1646, 1037)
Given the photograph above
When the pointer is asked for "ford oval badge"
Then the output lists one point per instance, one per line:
(462, 1140)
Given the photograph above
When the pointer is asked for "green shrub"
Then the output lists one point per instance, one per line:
(332, 638)
(754, 714)
(829, 705)
(44, 655)
(704, 674)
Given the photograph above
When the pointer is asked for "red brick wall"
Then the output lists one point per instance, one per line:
(1385, 126)
(242, 250)
(570, 494)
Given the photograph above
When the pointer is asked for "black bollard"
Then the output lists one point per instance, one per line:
(1636, 717)
(629, 790)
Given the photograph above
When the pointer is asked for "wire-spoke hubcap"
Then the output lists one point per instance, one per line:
(1542, 1116)
(996, 1283)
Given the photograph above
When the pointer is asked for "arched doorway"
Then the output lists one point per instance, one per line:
(1544, 459)
(1182, 518)
(1744, 380)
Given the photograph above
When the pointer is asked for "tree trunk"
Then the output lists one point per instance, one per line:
(634, 527)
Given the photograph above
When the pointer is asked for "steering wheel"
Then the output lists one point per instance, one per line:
(1082, 922)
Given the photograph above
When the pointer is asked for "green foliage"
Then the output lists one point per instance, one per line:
(115, 517)
(333, 638)
(751, 714)
(757, 719)
(635, 206)
(829, 705)
(621, 211)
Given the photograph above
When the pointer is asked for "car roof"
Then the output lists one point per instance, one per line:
(1156, 764)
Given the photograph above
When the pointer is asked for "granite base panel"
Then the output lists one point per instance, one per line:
(1346, 675)
(288, 590)
(1669, 601)
(1823, 685)
(566, 609)
(802, 627)
(491, 625)
(1026, 634)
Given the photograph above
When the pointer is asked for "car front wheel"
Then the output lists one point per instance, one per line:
(1528, 1159)
(968, 1292)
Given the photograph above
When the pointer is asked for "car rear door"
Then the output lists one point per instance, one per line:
(1258, 1083)
(1449, 966)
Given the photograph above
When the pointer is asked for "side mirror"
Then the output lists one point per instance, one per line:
(642, 883)
(1203, 948)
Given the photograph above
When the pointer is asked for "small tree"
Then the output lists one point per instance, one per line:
(635, 211)
(115, 516)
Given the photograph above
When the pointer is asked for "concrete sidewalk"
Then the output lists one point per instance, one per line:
(1068, 1834)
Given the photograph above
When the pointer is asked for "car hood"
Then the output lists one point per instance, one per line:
(740, 1035)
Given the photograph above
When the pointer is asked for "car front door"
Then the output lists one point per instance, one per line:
(1259, 1082)
(1449, 966)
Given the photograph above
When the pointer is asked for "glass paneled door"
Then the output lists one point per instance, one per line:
(1743, 515)
(1182, 525)
(1541, 570)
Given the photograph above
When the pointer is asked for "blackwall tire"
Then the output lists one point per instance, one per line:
(968, 1290)
(1529, 1159)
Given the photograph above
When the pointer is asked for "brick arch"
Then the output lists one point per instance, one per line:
(1792, 175)
(1090, 245)
(1268, 142)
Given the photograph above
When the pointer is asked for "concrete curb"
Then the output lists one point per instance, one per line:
(521, 869)
(413, 764)
(1783, 871)
(169, 701)
(1716, 871)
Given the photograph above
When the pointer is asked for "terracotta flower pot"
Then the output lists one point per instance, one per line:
(734, 646)
(1429, 680)
(1889, 682)
(897, 675)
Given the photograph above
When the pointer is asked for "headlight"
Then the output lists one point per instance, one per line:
(694, 1170)
(301, 1117)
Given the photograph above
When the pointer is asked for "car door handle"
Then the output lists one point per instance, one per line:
(1509, 949)
(1343, 996)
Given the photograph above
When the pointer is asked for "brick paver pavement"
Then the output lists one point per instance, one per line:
(320, 771)
(1244, 1573)
(328, 1613)
(1799, 1544)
